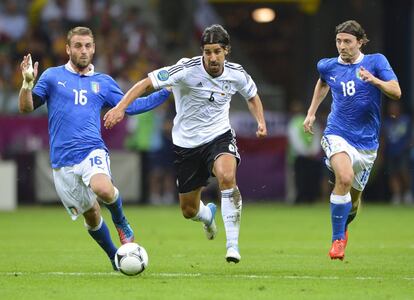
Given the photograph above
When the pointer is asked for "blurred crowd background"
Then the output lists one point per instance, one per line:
(135, 37)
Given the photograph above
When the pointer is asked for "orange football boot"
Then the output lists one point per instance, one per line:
(338, 249)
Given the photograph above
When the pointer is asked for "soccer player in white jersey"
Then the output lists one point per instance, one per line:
(350, 140)
(75, 95)
(204, 142)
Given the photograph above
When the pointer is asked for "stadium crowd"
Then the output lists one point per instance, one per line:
(129, 47)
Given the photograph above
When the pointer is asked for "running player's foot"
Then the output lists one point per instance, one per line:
(125, 232)
(338, 249)
(233, 255)
(211, 228)
(114, 265)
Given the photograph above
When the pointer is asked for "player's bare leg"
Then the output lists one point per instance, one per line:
(102, 186)
(341, 203)
(193, 208)
(99, 231)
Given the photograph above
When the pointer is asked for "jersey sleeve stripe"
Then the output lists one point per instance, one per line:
(175, 71)
(192, 64)
(235, 68)
(174, 68)
(190, 61)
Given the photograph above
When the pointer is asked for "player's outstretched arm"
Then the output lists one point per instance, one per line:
(256, 109)
(29, 73)
(116, 114)
(144, 104)
(319, 94)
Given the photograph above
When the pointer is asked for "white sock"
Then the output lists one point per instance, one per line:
(231, 206)
(94, 228)
(116, 195)
(203, 215)
(340, 199)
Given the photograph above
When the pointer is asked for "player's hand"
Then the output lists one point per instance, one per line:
(261, 130)
(29, 72)
(308, 124)
(366, 75)
(113, 117)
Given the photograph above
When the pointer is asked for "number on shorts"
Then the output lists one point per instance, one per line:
(95, 161)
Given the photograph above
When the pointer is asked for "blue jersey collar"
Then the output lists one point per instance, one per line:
(358, 60)
(91, 71)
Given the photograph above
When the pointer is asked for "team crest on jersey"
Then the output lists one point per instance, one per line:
(163, 75)
(226, 86)
(95, 87)
(357, 74)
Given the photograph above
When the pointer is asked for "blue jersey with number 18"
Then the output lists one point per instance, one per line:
(356, 104)
(74, 105)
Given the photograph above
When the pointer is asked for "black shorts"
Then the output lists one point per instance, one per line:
(194, 166)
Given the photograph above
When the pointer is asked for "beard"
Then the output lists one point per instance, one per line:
(215, 69)
(80, 63)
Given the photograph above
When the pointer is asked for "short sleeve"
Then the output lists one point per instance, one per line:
(41, 89)
(114, 93)
(383, 68)
(168, 76)
(247, 87)
(321, 67)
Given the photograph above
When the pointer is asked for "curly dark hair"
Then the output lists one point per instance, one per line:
(354, 28)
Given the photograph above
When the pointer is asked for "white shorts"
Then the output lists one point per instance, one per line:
(72, 183)
(362, 160)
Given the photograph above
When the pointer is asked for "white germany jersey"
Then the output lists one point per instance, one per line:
(202, 102)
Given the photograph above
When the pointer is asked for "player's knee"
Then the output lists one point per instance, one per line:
(105, 192)
(345, 180)
(226, 180)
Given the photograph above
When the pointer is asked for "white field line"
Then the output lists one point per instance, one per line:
(183, 275)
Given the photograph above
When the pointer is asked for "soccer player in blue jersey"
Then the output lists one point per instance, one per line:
(350, 140)
(75, 94)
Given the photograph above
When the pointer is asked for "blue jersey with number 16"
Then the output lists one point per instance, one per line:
(74, 105)
(356, 104)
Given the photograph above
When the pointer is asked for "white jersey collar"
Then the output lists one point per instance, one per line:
(91, 68)
(357, 61)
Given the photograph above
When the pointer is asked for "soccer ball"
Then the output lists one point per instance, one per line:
(131, 259)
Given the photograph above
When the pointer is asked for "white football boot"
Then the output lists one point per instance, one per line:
(211, 228)
(233, 255)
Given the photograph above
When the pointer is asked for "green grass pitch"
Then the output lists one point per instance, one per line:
(45, 255)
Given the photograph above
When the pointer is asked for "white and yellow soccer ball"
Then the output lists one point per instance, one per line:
(131, 259)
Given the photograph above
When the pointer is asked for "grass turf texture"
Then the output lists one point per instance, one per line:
(44, 255)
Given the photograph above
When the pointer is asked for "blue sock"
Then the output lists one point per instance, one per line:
(116, 210)
(103, 238)
(339, 215)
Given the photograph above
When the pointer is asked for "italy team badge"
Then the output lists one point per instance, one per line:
(95, 87)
